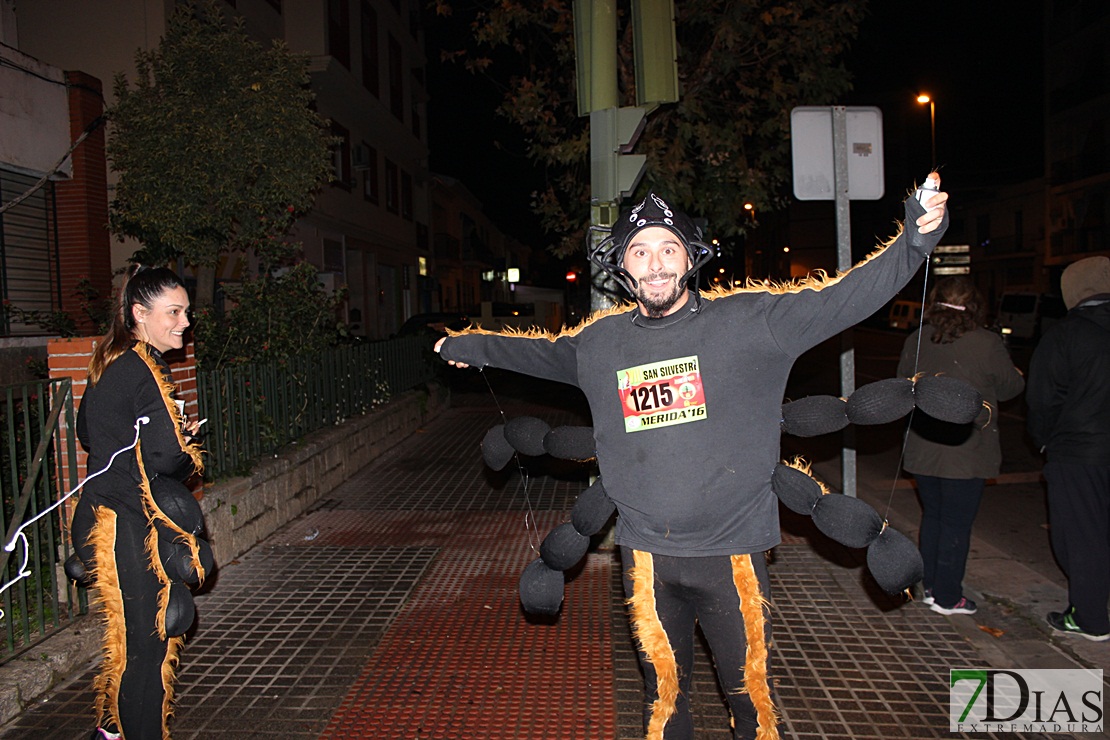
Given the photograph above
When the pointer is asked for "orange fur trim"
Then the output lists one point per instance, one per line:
(752, 605)
(151, 544)
(816, 280)
(535, 333)
(154, 513)
(799, 463)
(648, 630)
(173, 644)
(169, 676)
(167, 387)
(109, 598)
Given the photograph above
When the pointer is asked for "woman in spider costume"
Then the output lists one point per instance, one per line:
(135, 528)
(685, 393)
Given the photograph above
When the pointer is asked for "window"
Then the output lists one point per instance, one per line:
(406, 196)
(339, 34)
(341, 157)
(370, 68)
(333, 256)
(370, 186)
(392, 187)
(396, 79)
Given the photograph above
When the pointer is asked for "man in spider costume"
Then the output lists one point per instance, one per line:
(685, 391)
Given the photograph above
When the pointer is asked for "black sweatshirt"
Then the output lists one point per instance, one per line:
(1069, 386)
(127, 390)
(687, 408)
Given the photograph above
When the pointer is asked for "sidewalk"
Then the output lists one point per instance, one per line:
(1012, 595)
(390, 612)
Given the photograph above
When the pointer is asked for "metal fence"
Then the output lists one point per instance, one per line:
(253, 410)
(38, 465)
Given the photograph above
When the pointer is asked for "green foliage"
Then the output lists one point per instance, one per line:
(216, 144)
(270, 319)
(742, 68)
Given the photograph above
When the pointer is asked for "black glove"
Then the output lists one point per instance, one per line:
(923, 243)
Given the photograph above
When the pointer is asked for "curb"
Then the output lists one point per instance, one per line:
(1016, 594)
(28, 678)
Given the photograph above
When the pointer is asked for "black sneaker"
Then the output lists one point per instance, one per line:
(963, 606)
(1065, 622)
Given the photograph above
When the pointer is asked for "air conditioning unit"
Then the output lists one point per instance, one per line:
(360, 157)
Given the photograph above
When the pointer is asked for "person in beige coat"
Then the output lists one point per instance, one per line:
(951, 462)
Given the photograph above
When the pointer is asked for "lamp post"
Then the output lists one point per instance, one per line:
(932, 123)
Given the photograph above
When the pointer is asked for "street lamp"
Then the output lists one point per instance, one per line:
(923, 99)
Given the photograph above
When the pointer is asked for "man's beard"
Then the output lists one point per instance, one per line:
(656, 306)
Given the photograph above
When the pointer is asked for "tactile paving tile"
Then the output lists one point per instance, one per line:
(463, 661)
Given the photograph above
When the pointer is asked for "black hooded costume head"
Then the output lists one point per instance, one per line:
(651, 211)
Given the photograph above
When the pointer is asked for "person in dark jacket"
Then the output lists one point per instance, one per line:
(685, 391)
(951, 462)
(1069, 419)
(138, 511)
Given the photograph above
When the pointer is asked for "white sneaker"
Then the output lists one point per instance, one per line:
(963, 606)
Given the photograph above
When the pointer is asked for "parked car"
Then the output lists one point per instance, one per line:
(904, 315)
(1024, 316)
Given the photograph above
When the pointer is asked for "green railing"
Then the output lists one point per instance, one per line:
(38, 465)
(253, 410)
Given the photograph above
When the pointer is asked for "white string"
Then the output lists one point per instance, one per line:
(21, 535)
(916, 359)
(531, 527)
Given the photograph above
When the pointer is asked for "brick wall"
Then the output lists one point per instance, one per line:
(84, 244)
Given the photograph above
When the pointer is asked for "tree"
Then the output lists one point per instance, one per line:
(272, 318)
(216, 145)
(742, 67)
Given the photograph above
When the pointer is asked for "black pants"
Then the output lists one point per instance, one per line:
(1079, 514)
(670, 595)
(948, 509)
(130, 689)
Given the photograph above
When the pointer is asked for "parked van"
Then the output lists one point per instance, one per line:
(1024, 317)
(904, 315)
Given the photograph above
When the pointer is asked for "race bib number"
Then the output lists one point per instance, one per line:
(661, 394)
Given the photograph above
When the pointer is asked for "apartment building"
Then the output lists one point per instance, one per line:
(370, 228)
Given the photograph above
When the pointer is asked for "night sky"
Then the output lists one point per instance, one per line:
(982, 64)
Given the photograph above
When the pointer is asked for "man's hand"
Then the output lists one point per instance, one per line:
(934, 207)
(449, 362)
